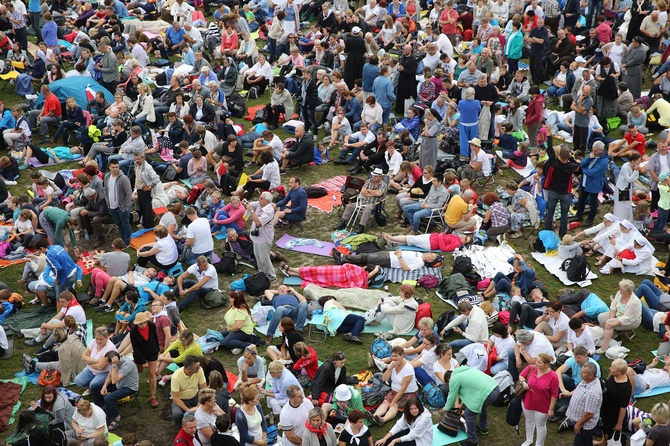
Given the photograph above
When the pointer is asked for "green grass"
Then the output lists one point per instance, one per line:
(156, 424)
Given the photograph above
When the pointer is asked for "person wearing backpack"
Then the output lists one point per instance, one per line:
(540, 384)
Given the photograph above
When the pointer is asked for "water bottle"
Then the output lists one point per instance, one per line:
(334, 197)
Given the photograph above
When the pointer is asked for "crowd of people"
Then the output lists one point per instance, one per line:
(395, 87)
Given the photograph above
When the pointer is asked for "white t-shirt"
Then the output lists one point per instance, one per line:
(396, 379)
(200, 231)
(428, 358)
(212, 283)
(656, 378)
(484, 159)
(77, 312)
(560, 325)
(205, 420)
(476, 355)
(503, 346)
(293, 419)
(539, 345)
(277, 147)
(413, 259)
(585, 340)
(97, 354)
(438, 368)
(90, 424)
(168, 250)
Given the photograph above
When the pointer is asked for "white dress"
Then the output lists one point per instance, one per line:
(622, 208)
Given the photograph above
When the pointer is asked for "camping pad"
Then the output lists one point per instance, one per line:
(553, 265)
(325, 250)
(138, 242)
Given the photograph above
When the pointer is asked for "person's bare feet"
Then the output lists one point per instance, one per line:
(386, 236)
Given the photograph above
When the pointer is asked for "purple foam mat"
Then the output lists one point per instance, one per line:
(34, 162)
(325, 250)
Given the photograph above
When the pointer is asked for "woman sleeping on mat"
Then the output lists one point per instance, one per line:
(341, 276)
(432, 242)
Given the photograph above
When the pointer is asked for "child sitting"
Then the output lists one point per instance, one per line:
(540, 157)
(23, 228)
(507, 142)
(9, 169)
(568, 248)
(321, 154)
(519, 159)
(308, 363)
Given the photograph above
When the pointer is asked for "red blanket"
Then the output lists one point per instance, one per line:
(10, 395)
(340, 276)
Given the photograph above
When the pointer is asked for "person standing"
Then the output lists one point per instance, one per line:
(534, 115)
(593, 180)
(623, 194)
(119, 194)
(633, 65)
(354, 46)
(109, 68)
(146, 179)
(35, 14)
(407, 66)
(582, 108)
(382, 89)
(584, 407)
(537, 39)
(659, 163)
(18, 21)
(558, 181)
(477, 391)
(615, 400)
(262, 233)
(540, 399)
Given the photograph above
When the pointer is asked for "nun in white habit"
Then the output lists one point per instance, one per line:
(599, 234)
(623, 209)
(642, 261)
(617, 242)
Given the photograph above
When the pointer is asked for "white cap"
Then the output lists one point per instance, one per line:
(355, 30)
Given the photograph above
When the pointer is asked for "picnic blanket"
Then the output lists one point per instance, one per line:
(251, 113)
(327, 203)
(337, 276)
(29, 318)
(523, 172)
(6, 263)
(488, 261)
(34, 162)
(9, 404)
(137, 241)
(87, 260)
(384, 325)
(553, 265)
(398, 275)
(323, 250)
(351, 298)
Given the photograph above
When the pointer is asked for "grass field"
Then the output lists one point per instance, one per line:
(156, 424)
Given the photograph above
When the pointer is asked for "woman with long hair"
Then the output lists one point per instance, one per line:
(55, 404)
(240, 331)
(290, 337)
(73, 119)
(31, 428)
(415, 426)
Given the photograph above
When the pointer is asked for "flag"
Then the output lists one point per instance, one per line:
(90, 93)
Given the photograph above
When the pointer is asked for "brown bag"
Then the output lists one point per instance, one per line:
(519, 389)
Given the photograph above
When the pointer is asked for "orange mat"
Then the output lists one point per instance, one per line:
(6, 263)
(147, 237)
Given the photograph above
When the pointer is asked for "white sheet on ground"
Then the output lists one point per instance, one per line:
(489, 260)
(523, 172)
(553, 265)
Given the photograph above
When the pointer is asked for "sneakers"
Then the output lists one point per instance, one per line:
(153, 403)
(383, 335)
(31, 342)
(87, 392)
(164, 380)
(381, 365)
(35, 301)
(482, 431)
(28, 364)
(16, 331)
(105, 308)
(564, 426)
(236, 351)
(517, 234)
(351, 338)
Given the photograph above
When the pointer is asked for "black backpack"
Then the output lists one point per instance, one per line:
(538, 245)
(227, 264)
(257, 284)
(576, 268)
(236, 106)
(463, 265)
(444, 320)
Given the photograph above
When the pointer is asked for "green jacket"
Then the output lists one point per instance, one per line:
(356, 402)
(59, 217)
(472, 386)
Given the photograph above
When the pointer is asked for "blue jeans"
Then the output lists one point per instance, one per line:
(122, 220)
(87, 379)
(471, 417)
(662, 219)
(502, 283)
(414, 213)
(191, 258)
(353, 324)
(554, 199)
(460, 343)
(193, 295)
(236, 339)
(309, 118)
(498, 367)
(68, 285)
(595, 6)
(652, 296)
(422, 376)
(298, 314)
(108, 402)
(553, 90)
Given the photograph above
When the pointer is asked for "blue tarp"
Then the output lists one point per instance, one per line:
(75, 87)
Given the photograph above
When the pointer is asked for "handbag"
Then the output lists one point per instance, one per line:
(615, 440)
(450, 422)
(624, 195)
(49, 377)
(519, 389)
(170, 173)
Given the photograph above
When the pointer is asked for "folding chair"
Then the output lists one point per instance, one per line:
(131, 401)
(351, 184)
(13, 74)
(437, 217)
(361, 204)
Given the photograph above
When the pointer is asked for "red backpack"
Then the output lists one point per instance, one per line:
(424, 310)
(195, 192)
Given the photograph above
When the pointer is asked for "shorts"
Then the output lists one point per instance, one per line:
(147, 359)
(401, 402)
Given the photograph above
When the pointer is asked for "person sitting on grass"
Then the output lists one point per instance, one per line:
(403, 387)
(522, 275)
(119, 285)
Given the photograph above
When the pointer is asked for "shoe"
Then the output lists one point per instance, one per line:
(104, 309)
(579, 219)
(356, 171)
(16, 331)
(27, 363)
(553, 419)
(600, 351)
(281, 225)
(164, 380)
(340, 162)
(361, 229)
(517, 234)
(371, 361)
(32, 342)
(347, 336)
(283, 266)
(482, 431)
(467, 443)
(23, 166)
(564, 426)
(114, 424)
(355, 340)
(98, 243)
(251, 164)
(282, 172)
(34, 301)
(337, 256)
(378, 421)
(236, 351)
(153, 403)
(87, 392)
(351, 169)
(341, 225)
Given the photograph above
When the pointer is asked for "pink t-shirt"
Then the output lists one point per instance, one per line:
(543, 388)
(97, 354)
(604, 33)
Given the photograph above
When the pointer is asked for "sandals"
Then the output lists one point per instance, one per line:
(114, 424)
(283, 266)
(599, 262)
(81, 163)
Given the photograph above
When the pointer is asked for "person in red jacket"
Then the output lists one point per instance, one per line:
(433, 242)
(534, 116)
(308, 363)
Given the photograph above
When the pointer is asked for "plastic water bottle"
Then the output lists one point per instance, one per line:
(334, 197)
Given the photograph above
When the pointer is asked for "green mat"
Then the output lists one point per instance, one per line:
(440, 439)
(29, 318)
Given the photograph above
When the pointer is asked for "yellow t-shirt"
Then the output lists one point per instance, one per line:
(235, 314)
(187, 386)
(456, 208)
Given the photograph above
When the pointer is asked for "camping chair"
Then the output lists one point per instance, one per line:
(131, 401)
(483, 181)
(535, 220)
(360, 206)
(13, 74)
(354, 186)
(437, 217)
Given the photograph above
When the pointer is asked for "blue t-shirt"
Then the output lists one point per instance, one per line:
(469, 111)
(593, 306)
(175, 36)
(284, 299)
(576, 369)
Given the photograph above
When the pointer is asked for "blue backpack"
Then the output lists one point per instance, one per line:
(381, 348)
(272, 434)
(432, 397)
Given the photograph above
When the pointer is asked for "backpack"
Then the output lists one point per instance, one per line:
(375, 391)
(506, 385)
(316, 191)
(538, 245)
(514, 412)
(380, 348)
(463, 265)
(195, 192)
(444, 320)
(51, 377)
(432, 397)
(638, 366)
(227, 264)
(272, 434)
(257, 284)
(424, 310)
(237, 106)
(214, 298)
(576, 268)
(428, 281)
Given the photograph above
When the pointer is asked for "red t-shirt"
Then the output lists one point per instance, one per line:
(639, 138)
(161, 322)
(52, 104)
(449, 28)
